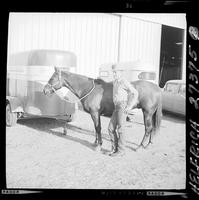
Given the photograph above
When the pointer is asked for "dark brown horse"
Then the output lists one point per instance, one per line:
(96, 97)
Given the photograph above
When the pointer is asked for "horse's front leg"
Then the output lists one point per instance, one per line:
(97, 123)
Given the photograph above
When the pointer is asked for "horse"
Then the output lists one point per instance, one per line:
(96, 97)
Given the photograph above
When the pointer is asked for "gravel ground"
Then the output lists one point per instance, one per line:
(38, 155)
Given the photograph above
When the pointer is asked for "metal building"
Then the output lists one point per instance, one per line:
(98, 38)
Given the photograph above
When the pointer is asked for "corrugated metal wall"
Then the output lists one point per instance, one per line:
(92, 37)
(140, 40)
(154, 22)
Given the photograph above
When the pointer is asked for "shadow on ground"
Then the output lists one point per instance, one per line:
(47, 125)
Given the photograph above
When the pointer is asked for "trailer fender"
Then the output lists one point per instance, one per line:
(15, 104)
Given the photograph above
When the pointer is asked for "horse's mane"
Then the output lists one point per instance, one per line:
(79, 75)
(99, 81)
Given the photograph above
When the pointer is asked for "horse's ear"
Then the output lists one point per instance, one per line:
(56, 69)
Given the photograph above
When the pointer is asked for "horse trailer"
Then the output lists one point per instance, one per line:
(24, 87)
(132, 71)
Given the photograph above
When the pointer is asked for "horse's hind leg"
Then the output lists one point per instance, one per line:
(148, 129)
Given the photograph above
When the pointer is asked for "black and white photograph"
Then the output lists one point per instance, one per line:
(101, 102)
(96, 101)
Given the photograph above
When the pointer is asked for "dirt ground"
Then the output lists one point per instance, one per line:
(38, 155)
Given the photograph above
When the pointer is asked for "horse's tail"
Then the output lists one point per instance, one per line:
(157, 116)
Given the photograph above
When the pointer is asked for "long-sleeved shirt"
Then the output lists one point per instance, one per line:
(123, 91)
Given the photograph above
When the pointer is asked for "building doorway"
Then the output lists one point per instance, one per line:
(171, 54)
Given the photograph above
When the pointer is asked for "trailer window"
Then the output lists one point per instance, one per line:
(147, 76)
(104, 74)
(172, 88)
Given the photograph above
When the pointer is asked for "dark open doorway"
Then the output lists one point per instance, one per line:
(171, 55)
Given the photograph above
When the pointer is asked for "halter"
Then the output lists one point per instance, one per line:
(59, 81)
(52, 86)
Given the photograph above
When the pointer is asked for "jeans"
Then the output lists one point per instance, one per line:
(116, 127)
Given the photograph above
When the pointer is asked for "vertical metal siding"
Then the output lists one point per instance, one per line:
(140, 40)
(92, 37)
(177, 20)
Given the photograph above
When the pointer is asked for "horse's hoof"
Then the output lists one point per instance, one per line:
(146, 146)
(117, 153)
(95, 142)
(146, 140)
(139, 147)
(98, 148)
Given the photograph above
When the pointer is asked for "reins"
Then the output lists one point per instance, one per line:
(88, 92)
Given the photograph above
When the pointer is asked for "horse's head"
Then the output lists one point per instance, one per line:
(54, 83)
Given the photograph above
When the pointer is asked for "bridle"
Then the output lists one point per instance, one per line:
(58, 82)
(70, 88)
(53, 86)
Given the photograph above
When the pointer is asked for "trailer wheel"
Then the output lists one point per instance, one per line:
(11, 118)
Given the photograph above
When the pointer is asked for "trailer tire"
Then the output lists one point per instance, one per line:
(11, 117)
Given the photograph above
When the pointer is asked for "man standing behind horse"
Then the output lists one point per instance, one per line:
(125, 97)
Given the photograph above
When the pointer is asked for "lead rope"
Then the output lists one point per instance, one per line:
(75, 102)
